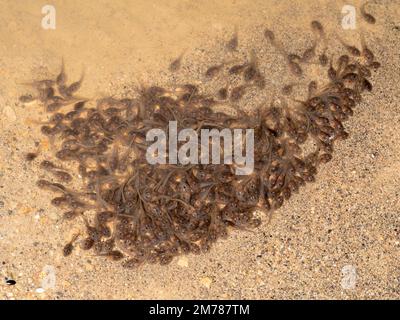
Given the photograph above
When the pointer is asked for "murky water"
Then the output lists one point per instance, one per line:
(341, 220)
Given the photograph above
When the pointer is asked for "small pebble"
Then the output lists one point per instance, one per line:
(9, 113)
(39, 290)
(183, 262)
(11, 282)
(206, 281)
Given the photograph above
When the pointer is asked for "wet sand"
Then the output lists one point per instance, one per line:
(346, 223)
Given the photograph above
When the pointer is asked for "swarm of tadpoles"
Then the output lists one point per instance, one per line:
(138, 212)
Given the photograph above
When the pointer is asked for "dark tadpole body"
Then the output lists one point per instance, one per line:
(233, 43)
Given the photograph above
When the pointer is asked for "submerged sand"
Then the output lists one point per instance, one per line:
(339, 238)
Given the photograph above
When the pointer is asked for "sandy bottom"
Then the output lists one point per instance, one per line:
(339, 238)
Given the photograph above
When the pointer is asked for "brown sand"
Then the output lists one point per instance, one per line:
(348, 220)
